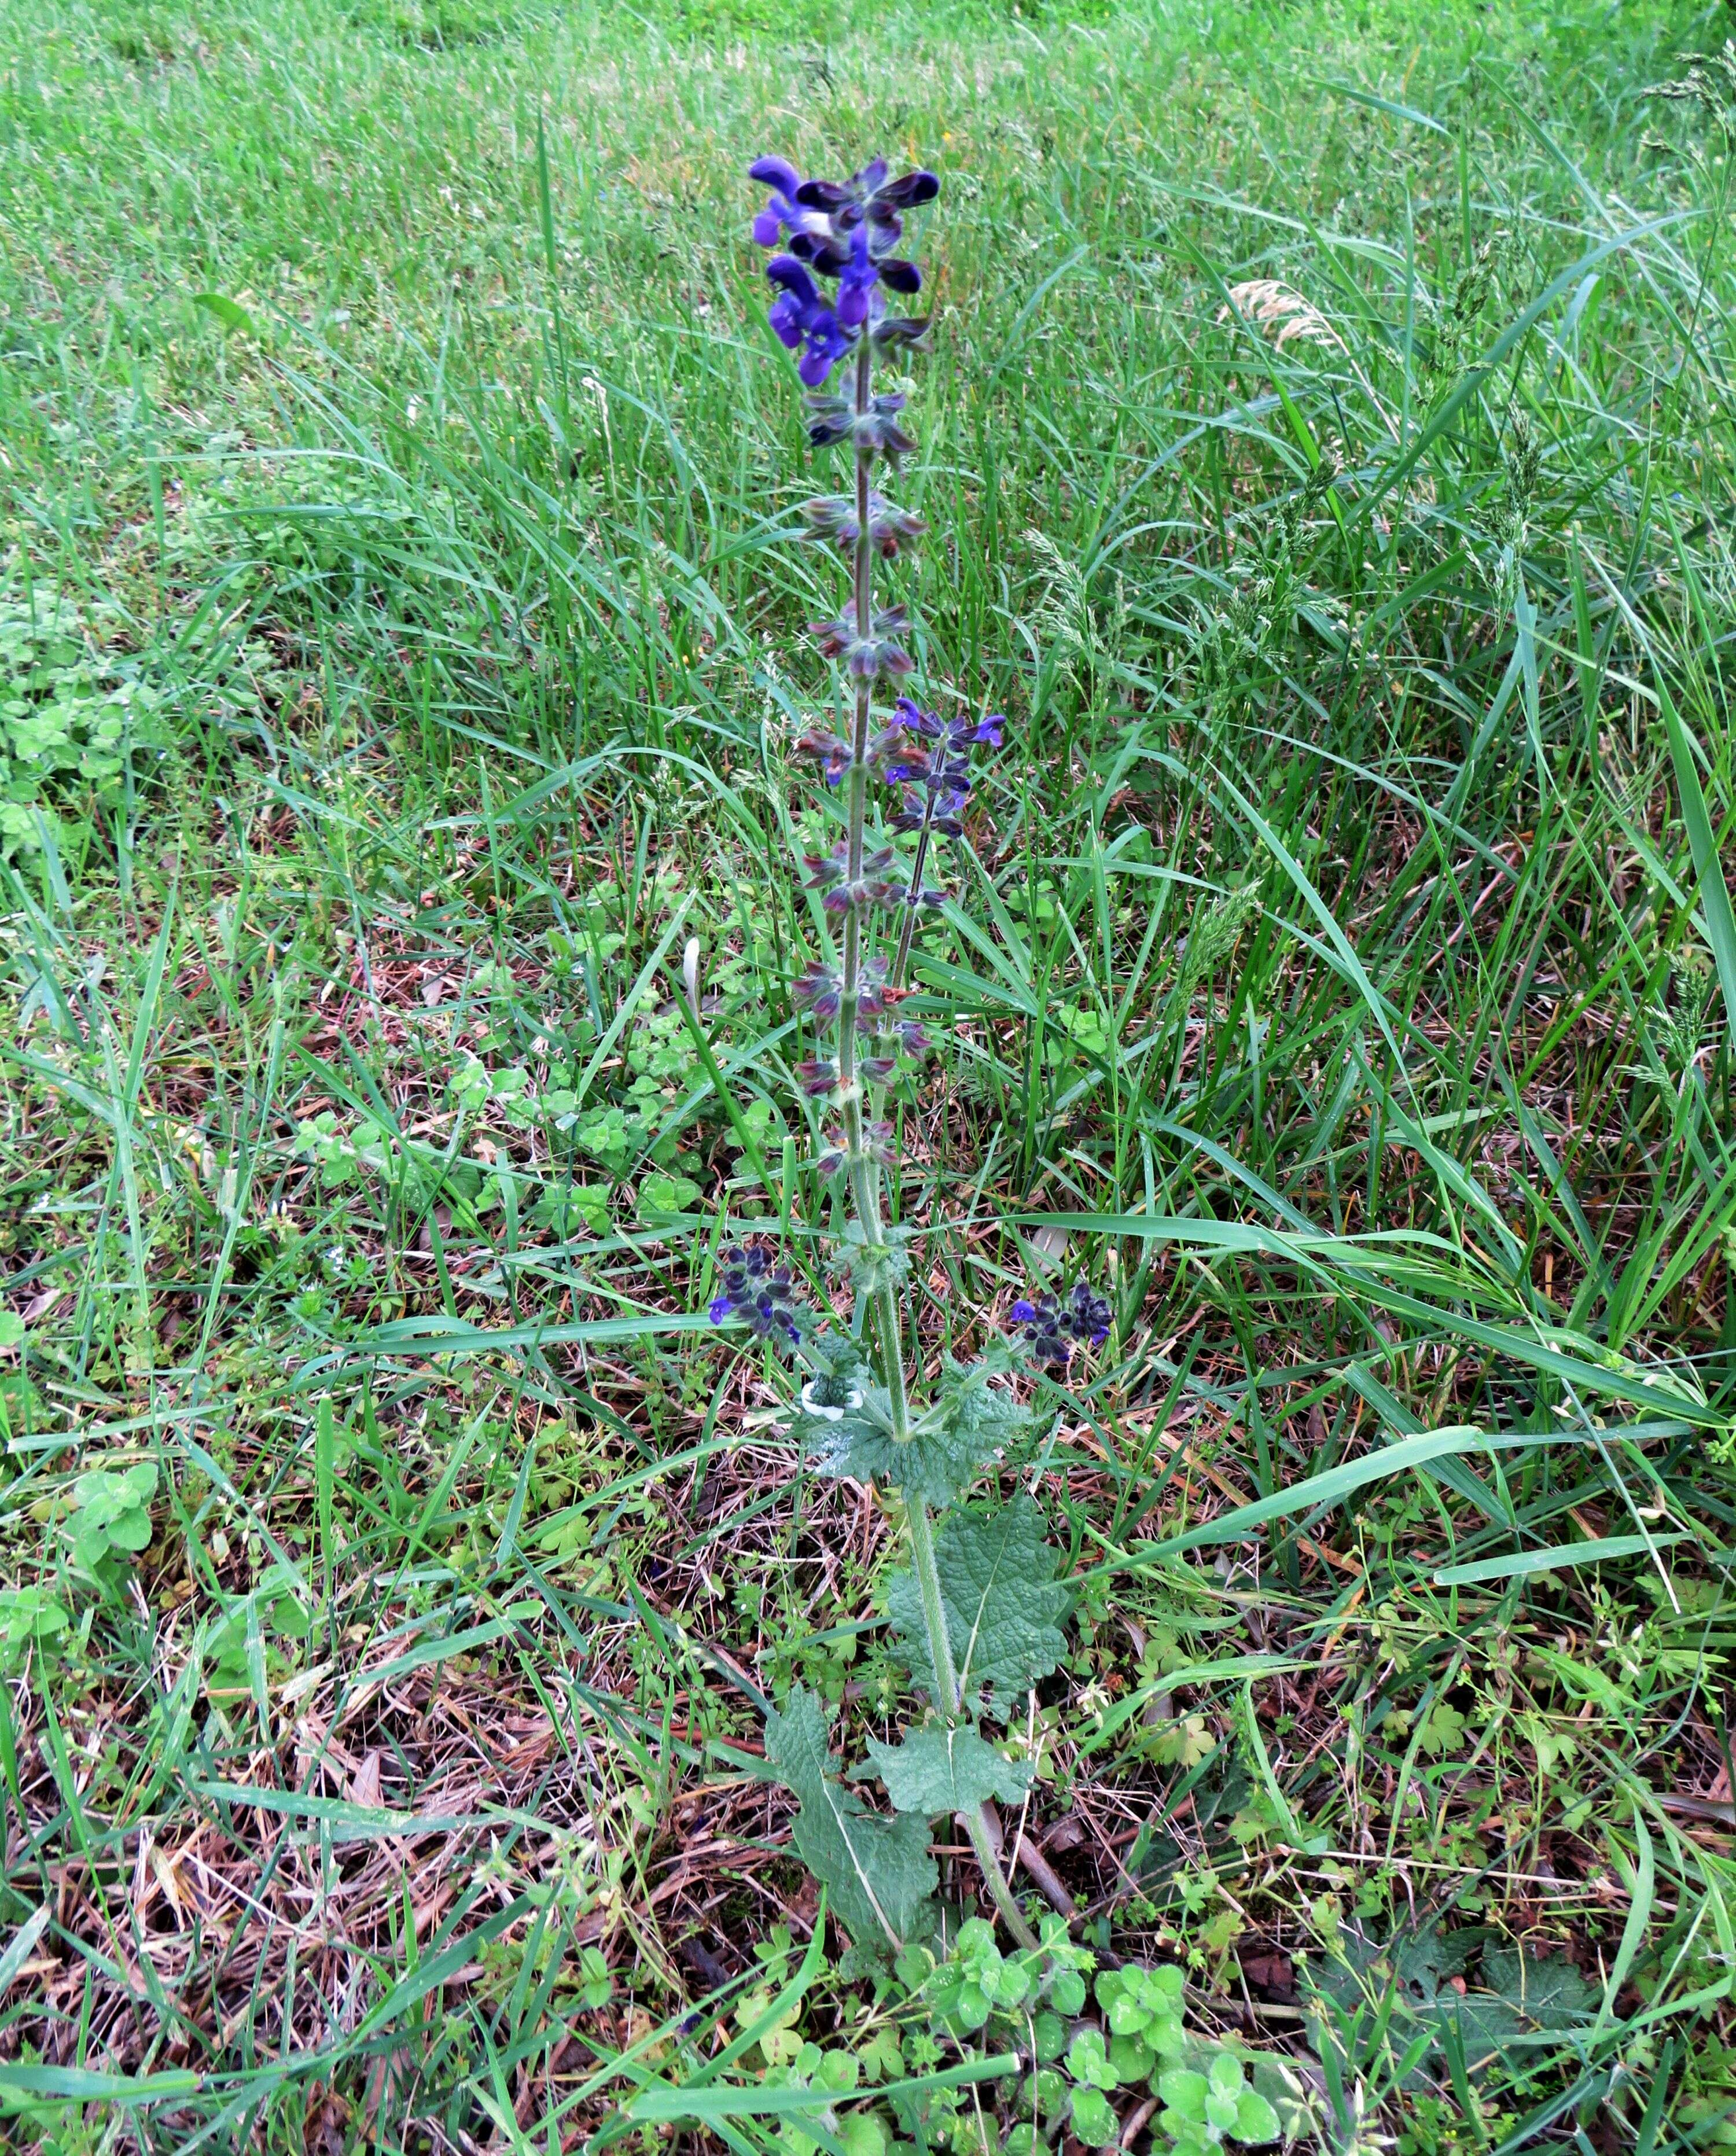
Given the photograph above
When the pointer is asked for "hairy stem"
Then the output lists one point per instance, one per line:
(981, 1825)
(984, 1828)
(863, 1178)
(907, 928)
(934, 1611)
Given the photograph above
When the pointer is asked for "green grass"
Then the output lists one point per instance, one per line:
(397, 664)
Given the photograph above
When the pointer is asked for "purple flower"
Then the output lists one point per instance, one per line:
(856, 281)
(1054, 1328)
(880, 652)
(834, 755)
(845, 230)
(817, 990)
(956, 734)
(763, 1294)
(781, 212)
(804, 322)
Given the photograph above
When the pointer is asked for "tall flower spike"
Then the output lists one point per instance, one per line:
(834, 265)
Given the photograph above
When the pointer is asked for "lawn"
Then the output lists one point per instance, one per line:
(1326, 454)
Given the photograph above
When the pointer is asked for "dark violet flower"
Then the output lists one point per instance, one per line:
(938, 813)
(880, 652)
(857, 280)
(909, 192)
(834, 755)
(955, 734)
(830, 873)
(1054, 1328)
(804, 322)
(825, 871)
(833, 419)
(875, 997)
(833, 517)
(757, 1291)
(817, 990)
(894, 330)
(845, 229)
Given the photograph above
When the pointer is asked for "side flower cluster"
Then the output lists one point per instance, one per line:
(1055, 1328)
(926, 757)
(933, 767)
(763, 1294)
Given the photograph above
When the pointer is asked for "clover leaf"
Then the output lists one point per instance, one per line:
(113, 1512)
(29, 1617)
(1094, 2119)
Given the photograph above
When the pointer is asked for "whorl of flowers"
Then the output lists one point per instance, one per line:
(845, 232)
(750, 1286)
(1055, 1328)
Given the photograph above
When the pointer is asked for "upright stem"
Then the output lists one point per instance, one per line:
(913, 892)
(864, 1179)
(865, 1172)
(980, 1824)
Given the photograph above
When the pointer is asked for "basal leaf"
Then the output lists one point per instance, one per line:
(1513, 1997)
(1519, 1996)
(946, 1770)
(877, 1869)
(1003, 1605)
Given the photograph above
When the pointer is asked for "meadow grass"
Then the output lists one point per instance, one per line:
(1326, 468)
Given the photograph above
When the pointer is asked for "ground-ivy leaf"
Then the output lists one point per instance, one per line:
(1004, 1605)
(878, 1871)
(946, 1770)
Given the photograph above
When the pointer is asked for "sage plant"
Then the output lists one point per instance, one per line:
(978, 1611)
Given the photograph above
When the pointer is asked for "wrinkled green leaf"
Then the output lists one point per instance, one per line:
(878, 1871)
(969, 1423)
(1003, 1605)
(1094, 2120)
(1518, 1995)
(946, 1770)
(1512, 1994)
